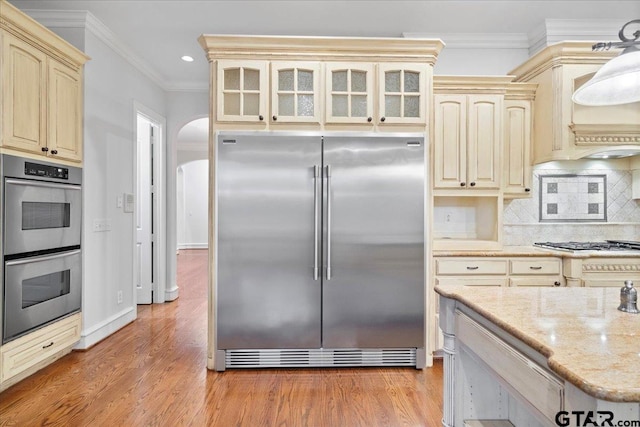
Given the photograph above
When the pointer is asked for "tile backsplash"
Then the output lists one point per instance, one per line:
(522, 217)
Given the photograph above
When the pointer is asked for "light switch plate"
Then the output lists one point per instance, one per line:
(129, 202)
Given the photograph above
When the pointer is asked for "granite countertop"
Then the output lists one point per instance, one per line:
(534, 251)
(586, 340)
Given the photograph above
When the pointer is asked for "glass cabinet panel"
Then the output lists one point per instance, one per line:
(241, 90)
(350, 93)
(294, 97)
(405, 92)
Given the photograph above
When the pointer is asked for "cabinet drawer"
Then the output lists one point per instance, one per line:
(536, 281)
(470, 266)
(467, 281)
(532, 266)
(538, 386)
(29, 350)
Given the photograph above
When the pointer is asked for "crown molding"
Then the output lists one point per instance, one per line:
(86, 20)
(477, 40)
(553, 31)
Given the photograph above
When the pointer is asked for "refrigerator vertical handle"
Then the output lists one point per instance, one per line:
(328, 222)
(316, 173)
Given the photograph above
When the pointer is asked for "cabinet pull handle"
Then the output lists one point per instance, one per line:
(54, 152)
(382, 119)
(261, 117)
(527, 190)
(535, 267)
(45, 149)
(556, 283)
(473, 184)
(472, 268)
(369, 119)
(48, 345)
(462, 184)
(275, 118)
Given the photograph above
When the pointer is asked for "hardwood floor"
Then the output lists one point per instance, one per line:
(153, 373)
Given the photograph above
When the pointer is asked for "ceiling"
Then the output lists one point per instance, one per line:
(160, 32)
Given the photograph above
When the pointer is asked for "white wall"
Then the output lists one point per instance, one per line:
(193, 204)
(111, 86)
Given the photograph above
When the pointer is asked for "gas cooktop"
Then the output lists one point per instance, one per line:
(607, 245)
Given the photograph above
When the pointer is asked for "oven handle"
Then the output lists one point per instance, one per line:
(42, 184)
(42, 258)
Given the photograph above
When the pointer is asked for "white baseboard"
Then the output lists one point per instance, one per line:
(102, 330)
(193, 246)
(172, 293)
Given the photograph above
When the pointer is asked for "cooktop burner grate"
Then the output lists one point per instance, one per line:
(609, 245)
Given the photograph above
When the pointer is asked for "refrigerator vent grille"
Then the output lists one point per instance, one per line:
(269, 358)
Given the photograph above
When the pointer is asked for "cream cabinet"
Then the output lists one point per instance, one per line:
(295, 93)
(467, 143)
(243, 91)
(493, 271)
(29, 353)
(311, 83)
(567, 131)
(41, 90)
(402, 93)
(349, 92)
(601, 271)
(518, 125)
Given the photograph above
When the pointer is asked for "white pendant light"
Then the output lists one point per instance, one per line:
(618, 81)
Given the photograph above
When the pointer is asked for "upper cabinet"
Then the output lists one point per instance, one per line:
(295, 91)
(242, 89)
(402, 93)
(468, 131)
(349, 92)
(564, 130)
(41, 90)
(517, 134)
(265, 82)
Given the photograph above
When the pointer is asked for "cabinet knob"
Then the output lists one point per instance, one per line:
(54, 152)
(526, 190)
(473, 184)
(261, 117)
(556, 283)
(274, 118)
(382, 119)
(45, 149)
(462, 184)
(369, 119)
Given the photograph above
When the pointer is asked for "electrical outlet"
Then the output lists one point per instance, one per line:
(119, 297)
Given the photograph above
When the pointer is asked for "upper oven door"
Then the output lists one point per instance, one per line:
(40, 215)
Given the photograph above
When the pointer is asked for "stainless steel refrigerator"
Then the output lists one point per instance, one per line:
(320, 250)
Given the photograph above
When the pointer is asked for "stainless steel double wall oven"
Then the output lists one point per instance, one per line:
(41, 256)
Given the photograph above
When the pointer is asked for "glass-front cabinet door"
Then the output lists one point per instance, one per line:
(349, 93)
(242, 91)
(295, 88)
(402, 93)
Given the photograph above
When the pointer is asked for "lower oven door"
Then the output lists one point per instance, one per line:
(39, 290)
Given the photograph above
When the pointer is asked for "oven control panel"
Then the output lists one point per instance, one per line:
(45, 171)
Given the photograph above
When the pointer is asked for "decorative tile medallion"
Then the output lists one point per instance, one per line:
(573, 198)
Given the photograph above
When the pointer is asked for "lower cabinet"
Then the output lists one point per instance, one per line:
(26, 355)
(602, 271)
(493, 271)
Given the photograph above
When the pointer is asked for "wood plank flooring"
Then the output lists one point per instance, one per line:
(153, 373)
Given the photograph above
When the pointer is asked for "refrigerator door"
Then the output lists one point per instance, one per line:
(267, 296)
(374, 194)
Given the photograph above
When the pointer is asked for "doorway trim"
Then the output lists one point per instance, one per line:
(160, 294)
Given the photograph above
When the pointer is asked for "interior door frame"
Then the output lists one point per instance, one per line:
(159, 254)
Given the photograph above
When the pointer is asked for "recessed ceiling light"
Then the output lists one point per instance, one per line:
(187, 58)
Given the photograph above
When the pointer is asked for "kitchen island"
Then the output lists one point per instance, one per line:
(539, 356)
